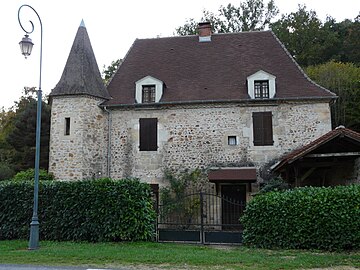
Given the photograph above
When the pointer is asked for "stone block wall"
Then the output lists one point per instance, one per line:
(197, 136)
(83, 153)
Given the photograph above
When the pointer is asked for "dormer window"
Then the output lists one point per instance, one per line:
(148, 90)
(261, 85)
(261, 89)
(148, 93)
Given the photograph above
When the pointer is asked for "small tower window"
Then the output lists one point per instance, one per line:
(67, 126)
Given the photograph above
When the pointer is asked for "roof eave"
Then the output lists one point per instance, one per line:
(245, 101)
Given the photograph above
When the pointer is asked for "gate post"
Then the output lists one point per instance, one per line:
(202, 218)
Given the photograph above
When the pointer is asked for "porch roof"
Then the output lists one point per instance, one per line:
(340, 142)
(233, 175)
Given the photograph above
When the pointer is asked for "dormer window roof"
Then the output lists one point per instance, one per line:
(261, 85)
(148, 90)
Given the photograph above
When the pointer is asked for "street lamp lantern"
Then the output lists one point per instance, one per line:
(26, 46)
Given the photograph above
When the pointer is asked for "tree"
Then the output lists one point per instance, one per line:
(307, 39)
(248, 16)
(6, 125)
(108, 72)
(344, 80)
(20, 137)
(351, 43)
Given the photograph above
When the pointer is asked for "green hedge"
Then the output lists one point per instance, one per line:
(96, 210)
(304, 218)
(29, 175)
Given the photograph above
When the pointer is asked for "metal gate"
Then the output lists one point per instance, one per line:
(200, 218)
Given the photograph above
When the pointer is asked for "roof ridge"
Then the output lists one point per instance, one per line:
(213, 34)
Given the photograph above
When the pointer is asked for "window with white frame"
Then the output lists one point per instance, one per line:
(261, 89)
(148, 93)
(232, 140)
(261, 85)
(148, 90)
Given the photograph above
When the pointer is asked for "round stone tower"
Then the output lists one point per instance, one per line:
(78, 138)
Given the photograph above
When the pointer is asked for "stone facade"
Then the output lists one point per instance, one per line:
(189, 136)
(83, 153)
(197, 136)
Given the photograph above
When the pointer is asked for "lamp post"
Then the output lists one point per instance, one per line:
(26, 47)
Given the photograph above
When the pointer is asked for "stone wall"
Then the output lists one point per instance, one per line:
(196, 136)
(83, 153)
(188, 137)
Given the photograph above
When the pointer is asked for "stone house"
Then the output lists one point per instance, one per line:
(230, 103)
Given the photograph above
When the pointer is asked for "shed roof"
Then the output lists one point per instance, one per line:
(211, 71)
(340, 132)
(81, 75)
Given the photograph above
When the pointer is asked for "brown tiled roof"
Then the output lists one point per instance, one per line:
(232, 175)
(81, 75)
(206, 71)
(302, 151)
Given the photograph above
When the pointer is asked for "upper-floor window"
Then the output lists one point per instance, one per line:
(148, 134)
(261, 89)
(148, 90)
(148, 93)
(262, 128)
(261, 85)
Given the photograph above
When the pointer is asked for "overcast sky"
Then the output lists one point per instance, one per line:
(113, 25)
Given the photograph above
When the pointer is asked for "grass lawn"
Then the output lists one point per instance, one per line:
(169, 256)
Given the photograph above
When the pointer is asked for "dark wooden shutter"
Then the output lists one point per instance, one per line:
(148, 134)
(262, 128)
(257, 128)
(268, 130)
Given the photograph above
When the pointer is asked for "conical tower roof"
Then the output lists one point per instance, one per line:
(81, 75)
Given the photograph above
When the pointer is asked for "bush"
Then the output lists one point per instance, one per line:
(29, 175)
(275, 184)
(93, 210)
(6, 172)
(305, 218)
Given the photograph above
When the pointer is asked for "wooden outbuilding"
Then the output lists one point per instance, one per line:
(332, 159)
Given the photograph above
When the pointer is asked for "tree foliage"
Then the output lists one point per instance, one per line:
(109, 71)
(29, 175)
(344, 80)
(250, 15)
(307, 39)
(18, 132)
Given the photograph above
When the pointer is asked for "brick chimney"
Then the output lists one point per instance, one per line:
(204, 29)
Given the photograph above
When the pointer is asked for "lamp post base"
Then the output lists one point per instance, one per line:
(34, 234)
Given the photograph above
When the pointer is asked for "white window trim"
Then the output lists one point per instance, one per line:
(261, 76)
(148, 80)
(73, 126)
(236, 140)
